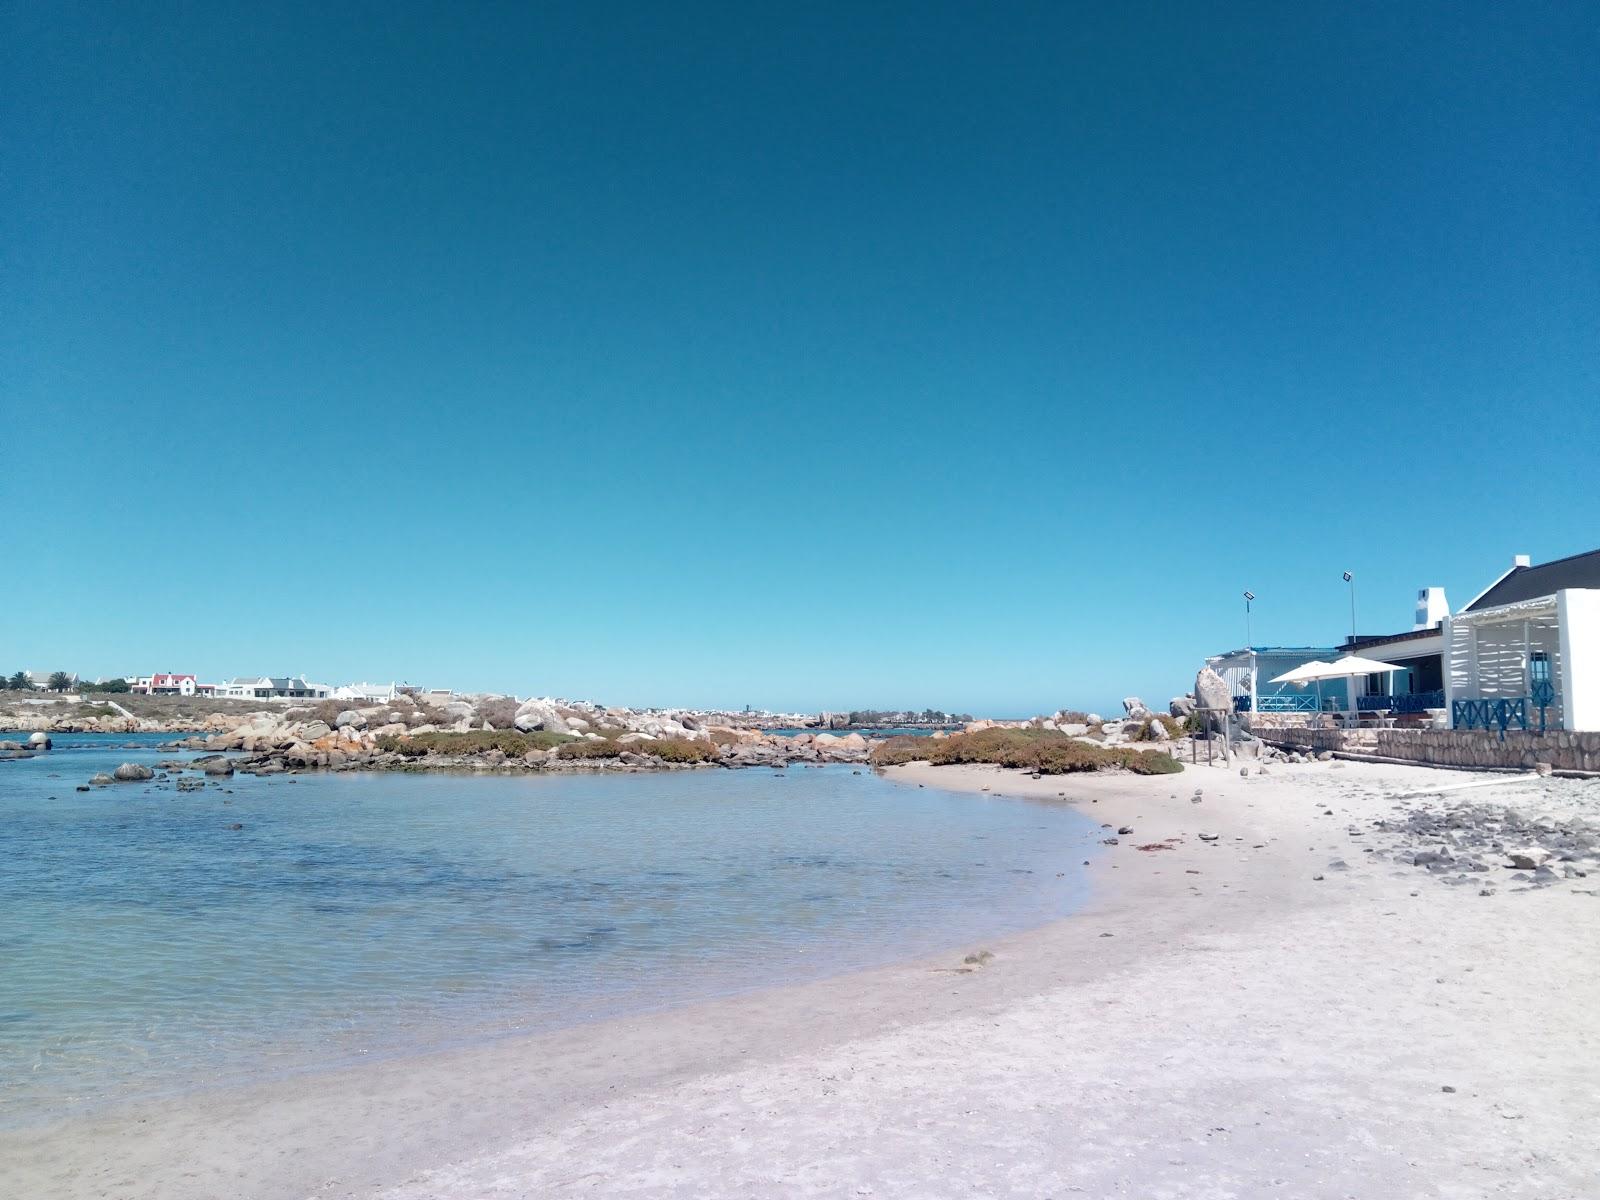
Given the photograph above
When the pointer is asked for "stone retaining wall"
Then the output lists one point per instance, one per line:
(1452, 747)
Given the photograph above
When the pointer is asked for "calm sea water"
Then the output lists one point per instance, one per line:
(156, 941)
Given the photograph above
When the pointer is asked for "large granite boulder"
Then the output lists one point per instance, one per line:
(350, 719)
(1211, 690)
(40, 741)
(534, 715)
(132, 773)
(1134, 708)
(1181, 706)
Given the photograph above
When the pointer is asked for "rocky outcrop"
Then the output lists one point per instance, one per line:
(1211, 690)
(534, 716)
(1181, 706)
(1134, 708)
(350, 719)
(132, 773)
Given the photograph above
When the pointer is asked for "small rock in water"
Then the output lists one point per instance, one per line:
(1447, 1088)
(1125, 830)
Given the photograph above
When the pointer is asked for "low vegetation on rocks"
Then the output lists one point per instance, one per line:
(1145, 730)
(1043, 750)
(672, 750)
(478, 741)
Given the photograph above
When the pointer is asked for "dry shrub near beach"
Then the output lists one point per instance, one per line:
(1041, 750)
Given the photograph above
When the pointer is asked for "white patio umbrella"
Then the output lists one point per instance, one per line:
(1354, 664)
(1305, 673)
(1339, 668)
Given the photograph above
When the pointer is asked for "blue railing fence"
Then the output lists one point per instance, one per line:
(1408, 702)
(1490, 714)
(1278, 702)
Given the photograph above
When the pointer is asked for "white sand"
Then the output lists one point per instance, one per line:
(1246, 1031)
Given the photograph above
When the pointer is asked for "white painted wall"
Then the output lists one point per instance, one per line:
(1578, 610)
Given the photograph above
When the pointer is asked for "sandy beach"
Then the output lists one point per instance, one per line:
(1233, 1015)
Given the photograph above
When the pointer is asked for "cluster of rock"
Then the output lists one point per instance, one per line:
(804, 748)
(38, 742)
(1484, 843)
(46, 720)
(1137, 725)
(214, 767)
(381, 736)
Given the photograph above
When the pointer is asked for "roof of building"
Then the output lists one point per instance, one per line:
(1529, 583)
(1351, 645)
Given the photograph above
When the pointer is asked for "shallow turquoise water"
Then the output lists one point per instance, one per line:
(146, 945)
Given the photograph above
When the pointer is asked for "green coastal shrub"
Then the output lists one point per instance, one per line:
(584, 748)
(479, 741)
(1041, 750)
(904, 749)
(673, 750)
(676, 750)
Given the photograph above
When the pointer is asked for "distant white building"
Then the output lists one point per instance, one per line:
(41, 679)
(272, 687)
(373, 693)
(171, 685)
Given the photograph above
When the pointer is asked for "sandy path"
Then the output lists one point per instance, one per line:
(1247, 1030)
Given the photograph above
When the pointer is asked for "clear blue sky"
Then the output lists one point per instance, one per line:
(800, 356)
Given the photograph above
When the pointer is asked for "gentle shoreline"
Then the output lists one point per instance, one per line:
(1249, 1029)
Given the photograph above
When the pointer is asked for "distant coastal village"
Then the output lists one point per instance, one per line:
(298, 689)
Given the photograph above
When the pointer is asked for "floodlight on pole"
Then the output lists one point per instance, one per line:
(1248, 596)
(1351, 580)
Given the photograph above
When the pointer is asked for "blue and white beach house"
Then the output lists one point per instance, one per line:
(1524, 653)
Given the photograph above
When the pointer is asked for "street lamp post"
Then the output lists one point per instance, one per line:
(1248, 596)
(1351, 580)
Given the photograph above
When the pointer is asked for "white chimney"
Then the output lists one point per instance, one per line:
(1521, 560)
(1432, 607)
